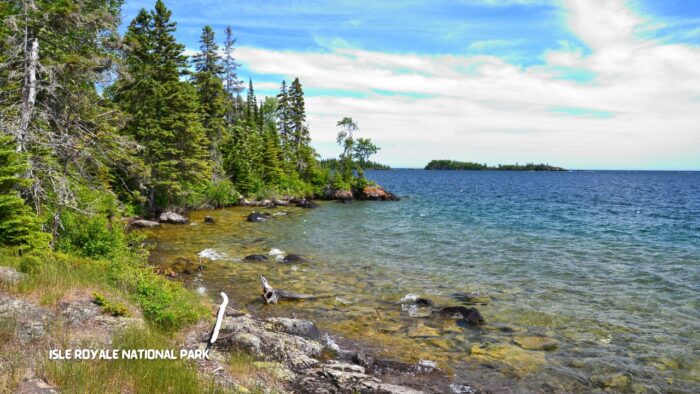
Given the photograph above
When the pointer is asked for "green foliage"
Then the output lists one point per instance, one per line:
(91, 236)
(333, 164)
(221, 193)
(110, 307)
(19, 226)
(461, 165)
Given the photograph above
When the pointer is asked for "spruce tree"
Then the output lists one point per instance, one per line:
(19, 226)
(213, 99)
(232, 84)
(302, 153)
(164, 110)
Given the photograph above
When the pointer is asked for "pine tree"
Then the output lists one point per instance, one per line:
(164, 109)
(19, 226)
(213, 99)
(272, 152)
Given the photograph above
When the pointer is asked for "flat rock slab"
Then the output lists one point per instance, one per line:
(142, 223)
(173, 218)
(32, 320)
(536, 343)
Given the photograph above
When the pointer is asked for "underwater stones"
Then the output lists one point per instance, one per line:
(470, 315)
(142, 223)
(172, 218)
(292, 258)
(439, 343)
(477, 298)
(522, 361)
(211, 254)
(255, 258)
(424, 302)
(615, 381)
(256, 217)
(208, 219)
(536, 343)
(422, 331)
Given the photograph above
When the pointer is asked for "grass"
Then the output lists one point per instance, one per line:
(130, 376)
(166, 304)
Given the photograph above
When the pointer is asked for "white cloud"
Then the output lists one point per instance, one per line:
(482, 108)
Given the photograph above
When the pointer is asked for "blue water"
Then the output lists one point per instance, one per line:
(605, 262)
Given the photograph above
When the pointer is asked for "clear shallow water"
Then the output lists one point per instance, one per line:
(607, 263)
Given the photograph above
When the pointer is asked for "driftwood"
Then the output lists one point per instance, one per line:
(272, 295)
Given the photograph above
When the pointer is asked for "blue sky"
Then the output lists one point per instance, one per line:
(578, 83)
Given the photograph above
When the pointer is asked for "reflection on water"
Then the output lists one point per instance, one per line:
(604, 264)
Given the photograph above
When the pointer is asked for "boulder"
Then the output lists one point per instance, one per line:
(172, 217)
(256, 217)
(31, 320)
(255, 258)
(376, 193)
(305, 203)
(340, 195)
(142, 223)
(9, 276)
(299, 327)
(209, 219)
(470, 315)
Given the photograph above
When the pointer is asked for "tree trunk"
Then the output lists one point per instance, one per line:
(31, 48)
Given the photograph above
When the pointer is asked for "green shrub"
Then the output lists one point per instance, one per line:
(113, 308)
(221, 193)
(91, 236)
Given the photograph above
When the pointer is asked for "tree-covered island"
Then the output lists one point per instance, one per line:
(467, 165)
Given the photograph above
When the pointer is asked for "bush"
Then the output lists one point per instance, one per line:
(221, 193)
(91, 236)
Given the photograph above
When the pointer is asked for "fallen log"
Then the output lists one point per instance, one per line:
(272, 295)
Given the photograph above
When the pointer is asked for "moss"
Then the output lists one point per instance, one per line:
(113, 308)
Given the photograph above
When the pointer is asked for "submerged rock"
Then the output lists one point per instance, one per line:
(536, 343)
(173, 218)
(306, 203)
(470, 315)
(209, 219)
(256, 217)
(142, 223)
(211, 254)
(520, 360)
(255, 258)
(422, 331)
(292, 259)
(472, 298)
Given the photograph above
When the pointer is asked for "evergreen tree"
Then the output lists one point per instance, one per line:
(272, 152)
(302, 153)
(213, 99)
(232, 84)
(164, 110)
(19, 226)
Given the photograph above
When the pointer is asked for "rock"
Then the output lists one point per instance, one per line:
(277, 370)
(340, 377)
(255, 258)
(280, 203)
(209, 219)
(340, 195)
(31, 320)
(305, 203)
(470, 315)
(10, 276)
(615, 381)
(422, 331)
(256, 217)
(376, 193)
(472, 298)
(172, 217)
(292, 259)
(520, 360)
(244, 332)
(424, 302)
(302, 328)
(536, 343)
(211, 254)
(144, 223)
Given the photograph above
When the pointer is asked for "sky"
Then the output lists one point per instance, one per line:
(582, 84)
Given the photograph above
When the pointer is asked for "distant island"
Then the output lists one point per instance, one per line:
(332, 164)
(467, 165)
